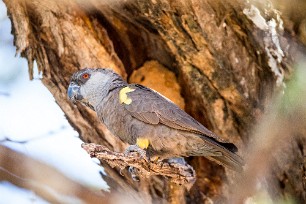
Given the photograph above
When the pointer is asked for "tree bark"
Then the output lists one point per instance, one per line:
(226, 66)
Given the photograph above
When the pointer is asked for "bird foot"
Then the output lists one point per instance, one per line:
(177, 160)
(135, 148)
(134, 173)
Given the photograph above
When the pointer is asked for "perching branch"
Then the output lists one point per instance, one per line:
(177, 172)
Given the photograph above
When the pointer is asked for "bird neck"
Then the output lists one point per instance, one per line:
(105, 88)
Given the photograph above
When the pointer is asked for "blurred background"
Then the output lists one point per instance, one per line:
(32, 123)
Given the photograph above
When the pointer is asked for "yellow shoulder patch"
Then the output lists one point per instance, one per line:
(143, 143)
(123, 98)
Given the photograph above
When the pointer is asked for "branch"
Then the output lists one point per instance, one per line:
(44, 180)
(182, 174)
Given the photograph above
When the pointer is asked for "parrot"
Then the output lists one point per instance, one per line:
(146, 119)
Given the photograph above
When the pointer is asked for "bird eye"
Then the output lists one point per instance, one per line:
(85, 76)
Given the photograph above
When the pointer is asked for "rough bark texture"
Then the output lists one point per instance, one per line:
(226, 65)
(178, 173)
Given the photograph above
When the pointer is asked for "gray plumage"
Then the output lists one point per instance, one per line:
(171, 132)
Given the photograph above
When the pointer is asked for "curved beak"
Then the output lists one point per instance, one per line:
(74, 92)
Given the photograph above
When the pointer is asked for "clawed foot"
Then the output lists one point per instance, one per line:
(136, 148)
(177, 160)
(142, 153)
(134, 173)
(174, 161)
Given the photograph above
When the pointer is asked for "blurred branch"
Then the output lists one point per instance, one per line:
(177, 172)
(5, 94)
(42, 136)
(44, 180)
(279, 145)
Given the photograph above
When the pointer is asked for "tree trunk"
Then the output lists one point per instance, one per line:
(221, 60)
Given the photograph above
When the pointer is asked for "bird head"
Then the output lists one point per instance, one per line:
(90, 86)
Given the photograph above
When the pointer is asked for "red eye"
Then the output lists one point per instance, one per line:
(85, 76)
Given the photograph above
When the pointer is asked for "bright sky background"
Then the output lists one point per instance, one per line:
(28, 111)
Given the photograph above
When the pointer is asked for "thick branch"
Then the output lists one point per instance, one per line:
(177, 173)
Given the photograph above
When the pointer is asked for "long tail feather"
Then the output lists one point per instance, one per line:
(224, 154)
(229, 160)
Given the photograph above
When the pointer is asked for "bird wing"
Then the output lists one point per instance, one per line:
(151, 107)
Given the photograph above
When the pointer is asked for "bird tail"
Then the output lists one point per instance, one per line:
(223, 154)
(229, 160)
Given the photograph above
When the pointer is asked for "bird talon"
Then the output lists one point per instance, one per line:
(134, 173)
(135, 148)
(176, 160)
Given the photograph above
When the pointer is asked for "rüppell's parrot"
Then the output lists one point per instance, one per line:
(140, 116)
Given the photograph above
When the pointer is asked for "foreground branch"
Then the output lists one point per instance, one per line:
(177, 172)
(44, 180)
